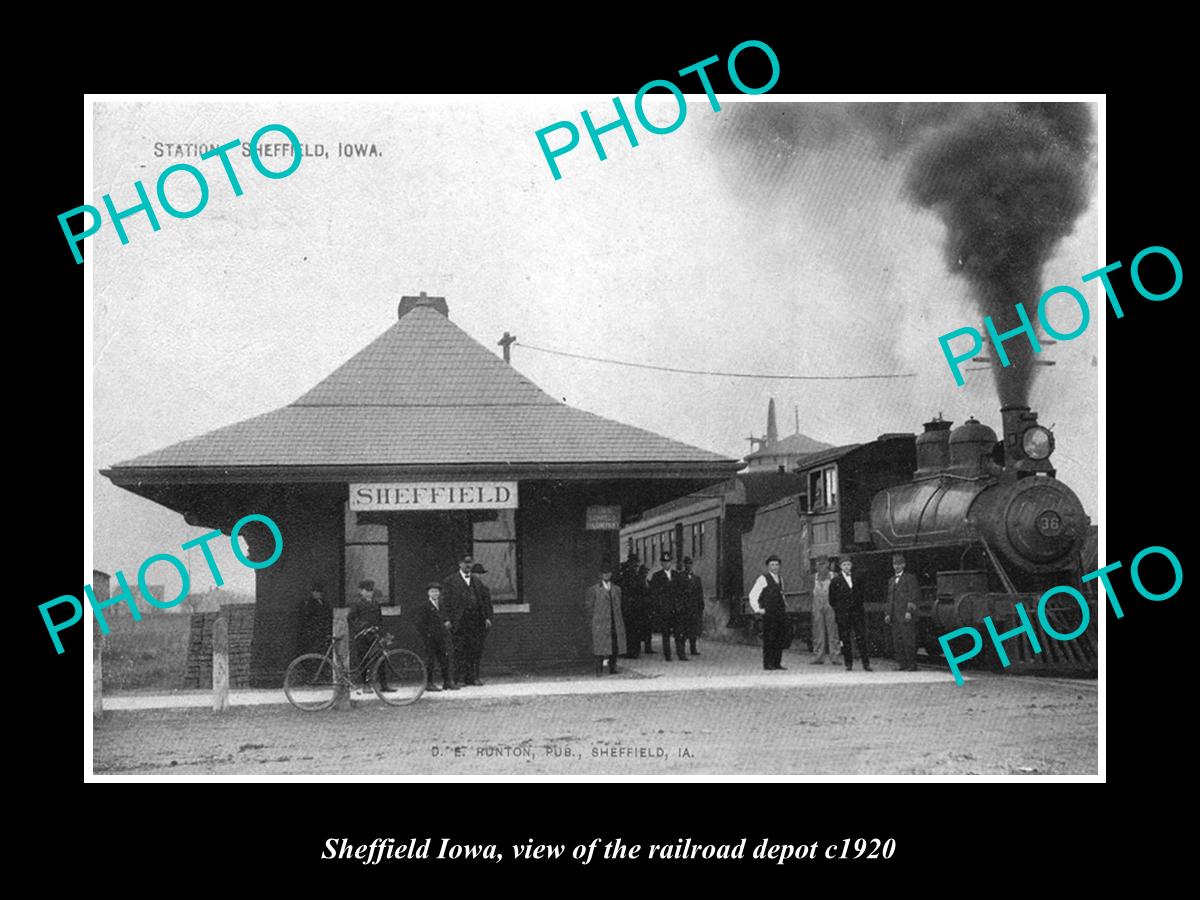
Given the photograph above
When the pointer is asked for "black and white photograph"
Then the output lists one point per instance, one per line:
(568, 437)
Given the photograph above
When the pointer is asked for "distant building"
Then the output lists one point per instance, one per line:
(778, 454)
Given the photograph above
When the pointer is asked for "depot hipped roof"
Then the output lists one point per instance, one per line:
(424, 394)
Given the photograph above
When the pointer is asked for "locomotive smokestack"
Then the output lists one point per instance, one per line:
(1027, 445)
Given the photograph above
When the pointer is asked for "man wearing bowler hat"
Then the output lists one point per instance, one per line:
(900, 611)
(846, 598)
(436, 629)
(462, 591)
(766, 597)
(602, 608)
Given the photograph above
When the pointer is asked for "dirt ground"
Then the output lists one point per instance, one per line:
(994, 725)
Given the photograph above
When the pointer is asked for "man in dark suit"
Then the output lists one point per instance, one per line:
(486, 610)
(648, 618)
(670, 604)
(464, 597)
(694, 593)
(602, 608)
(316, 618)
(633, 602)
(435, 627)
(845, 596)
(900, 612)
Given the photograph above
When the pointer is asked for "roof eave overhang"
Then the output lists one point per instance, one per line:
(133, 476)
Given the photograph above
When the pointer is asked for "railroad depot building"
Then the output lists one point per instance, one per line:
(421, 447)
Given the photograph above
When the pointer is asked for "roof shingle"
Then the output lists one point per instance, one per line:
(401, 401)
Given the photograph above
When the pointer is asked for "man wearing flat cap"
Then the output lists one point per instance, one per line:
(365, 612)
(669, 602)
(435, 627)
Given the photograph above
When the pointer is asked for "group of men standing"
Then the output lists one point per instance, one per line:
(838, 614)
(453, 621)
(625, 613)
(669, 602)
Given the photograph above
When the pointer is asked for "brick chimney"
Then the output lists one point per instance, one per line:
(408, 304)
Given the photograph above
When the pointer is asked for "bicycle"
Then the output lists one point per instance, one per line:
(312, 679)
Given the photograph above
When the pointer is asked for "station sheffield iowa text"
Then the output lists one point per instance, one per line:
(222, 151)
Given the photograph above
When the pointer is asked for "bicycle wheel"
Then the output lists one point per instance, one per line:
(403, 674)
(310, 683)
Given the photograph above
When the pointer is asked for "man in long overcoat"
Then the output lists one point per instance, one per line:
(900, 612)
(602, 603)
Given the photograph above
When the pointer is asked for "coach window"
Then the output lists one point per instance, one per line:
(823, 488)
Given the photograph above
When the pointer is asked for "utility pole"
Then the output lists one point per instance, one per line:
(507, 341)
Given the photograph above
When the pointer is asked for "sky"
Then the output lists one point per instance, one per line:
(716, 247)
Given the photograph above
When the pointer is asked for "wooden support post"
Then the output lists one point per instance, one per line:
(220, 665)
(97, 672)
(341, 656)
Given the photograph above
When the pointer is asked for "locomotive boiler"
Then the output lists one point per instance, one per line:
(986, 525)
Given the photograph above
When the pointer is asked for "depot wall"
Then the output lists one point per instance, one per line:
(558, 559)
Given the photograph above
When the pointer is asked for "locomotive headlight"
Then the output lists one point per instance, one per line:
(1037, 442)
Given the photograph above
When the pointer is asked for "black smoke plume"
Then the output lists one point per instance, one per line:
(1008, 179)
(1009, 182)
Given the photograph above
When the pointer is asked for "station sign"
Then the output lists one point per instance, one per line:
(433, 495)
(603, 518)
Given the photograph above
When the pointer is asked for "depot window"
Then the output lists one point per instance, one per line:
(495, 545)
(366, 554)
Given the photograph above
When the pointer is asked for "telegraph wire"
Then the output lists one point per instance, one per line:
(634, 365)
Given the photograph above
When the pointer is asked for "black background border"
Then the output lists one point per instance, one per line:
(942, 830)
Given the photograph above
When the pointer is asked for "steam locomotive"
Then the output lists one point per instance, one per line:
(982, 522)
